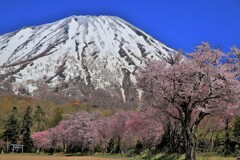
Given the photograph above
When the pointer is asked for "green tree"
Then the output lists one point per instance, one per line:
(57, 117)
(40, 119)
(227, 148)
(11, 128)
(114, 145)
(26, 129)
(236, 129)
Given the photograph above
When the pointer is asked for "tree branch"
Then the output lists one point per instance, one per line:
(199, 119)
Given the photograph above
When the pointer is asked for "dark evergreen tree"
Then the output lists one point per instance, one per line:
(39, 119)
(26, 129)
(11, 128)
(138, 148)
(172, 140)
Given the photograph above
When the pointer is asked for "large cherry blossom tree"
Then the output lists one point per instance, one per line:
(189, 89)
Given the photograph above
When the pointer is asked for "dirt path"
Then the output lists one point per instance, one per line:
(57, 157)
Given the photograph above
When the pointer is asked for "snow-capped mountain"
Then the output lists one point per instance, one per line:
(79, 57)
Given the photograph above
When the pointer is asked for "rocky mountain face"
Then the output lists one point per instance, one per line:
(90, 58)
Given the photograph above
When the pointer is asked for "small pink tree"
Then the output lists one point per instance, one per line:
(53, 136)
(41, 140)
(190, 89)
(63, 136)
(46, 140)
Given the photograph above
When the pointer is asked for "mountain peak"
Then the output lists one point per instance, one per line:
(85, 53)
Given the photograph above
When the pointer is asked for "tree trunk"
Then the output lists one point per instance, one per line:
(189, 144)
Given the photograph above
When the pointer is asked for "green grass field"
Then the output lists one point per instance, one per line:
(107, 157)
(55, 157)
(201, 156)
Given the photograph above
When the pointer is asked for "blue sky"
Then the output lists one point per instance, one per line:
(177, 23)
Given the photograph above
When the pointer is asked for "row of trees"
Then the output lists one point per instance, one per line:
(131, 132)
(17, 129)
(88, 132)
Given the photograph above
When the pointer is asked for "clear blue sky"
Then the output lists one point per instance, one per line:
(177, 23)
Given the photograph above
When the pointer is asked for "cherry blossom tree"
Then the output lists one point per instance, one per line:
(41, 140)
(53, 137)
(79, 131)
(46, 140)
(104, 133)
(63, 137)
(129, 127)
(189, 89)
(76, 133)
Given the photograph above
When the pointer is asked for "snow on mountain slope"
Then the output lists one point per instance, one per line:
(77, 57)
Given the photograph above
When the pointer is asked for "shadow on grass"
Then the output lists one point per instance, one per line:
(170, 157)
(76, 154)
